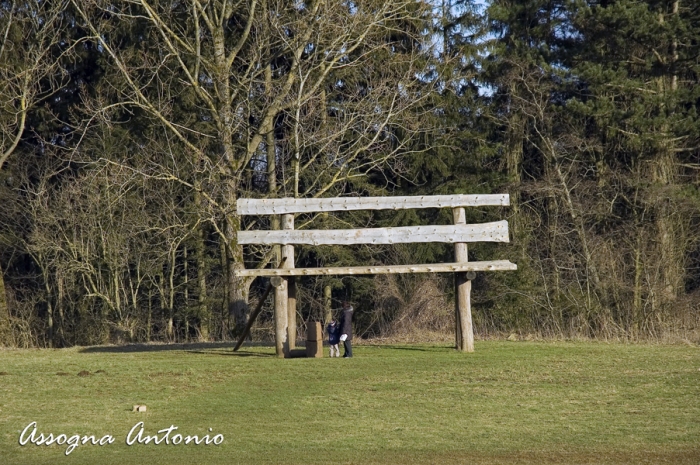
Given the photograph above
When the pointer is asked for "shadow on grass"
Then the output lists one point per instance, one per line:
(215, 348)
(231, 353)
(195, 347)
(408, 346)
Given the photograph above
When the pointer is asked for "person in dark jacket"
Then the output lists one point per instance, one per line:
(346, 329)
(333, 330)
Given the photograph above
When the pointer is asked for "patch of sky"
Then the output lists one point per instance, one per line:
(300, 5)
(451, 11)
(456, 15)
(351, 6)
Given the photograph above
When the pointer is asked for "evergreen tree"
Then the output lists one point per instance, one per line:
(638, 93)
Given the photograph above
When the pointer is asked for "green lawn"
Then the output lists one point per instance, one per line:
(509, 402)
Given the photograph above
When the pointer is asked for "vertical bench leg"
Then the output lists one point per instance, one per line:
(285, 330)
(281, 298)
(464, 332)
(292, 313)
(291, 307)
(458, 315)
(464, 313)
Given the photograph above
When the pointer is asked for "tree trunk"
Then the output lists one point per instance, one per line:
(669, 228)
(171, 298)
(4, 307)
(638, 270)
(59, 307)
(271, 149)
(185, 279)
(204, 315)
(579, 226)
(225, 316)
(49, 311)
(272, 190)
(515, 137)
(237, 297)
(149, 317)
(237, 286)
(669, 233)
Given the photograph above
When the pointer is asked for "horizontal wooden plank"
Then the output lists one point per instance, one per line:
(496, 265)
(291, 205)
(496, 231)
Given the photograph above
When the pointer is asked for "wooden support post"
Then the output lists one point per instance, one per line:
(288, 252)
(464, 333)
(282, 297)
(281, 342)
(292, 312)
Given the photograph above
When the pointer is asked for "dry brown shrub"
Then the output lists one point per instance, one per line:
(412, 308)
(21, 326)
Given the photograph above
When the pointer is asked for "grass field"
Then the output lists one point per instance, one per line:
(509, 402)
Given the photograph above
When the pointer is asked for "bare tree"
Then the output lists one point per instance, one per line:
(32, 45)
(324, 91)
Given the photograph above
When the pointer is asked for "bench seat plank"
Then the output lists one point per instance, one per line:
(495, 265)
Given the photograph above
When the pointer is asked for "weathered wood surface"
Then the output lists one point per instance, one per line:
(496, 231)
(291, 205)
(288, 253)
(282, 296)
(464, 331)
(495, 265)
(281, 323)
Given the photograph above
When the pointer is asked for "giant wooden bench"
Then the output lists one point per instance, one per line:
(458, 233)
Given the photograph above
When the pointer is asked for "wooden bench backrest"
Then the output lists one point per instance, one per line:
(485, 232)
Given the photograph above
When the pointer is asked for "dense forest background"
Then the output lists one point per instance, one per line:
(128, 129)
